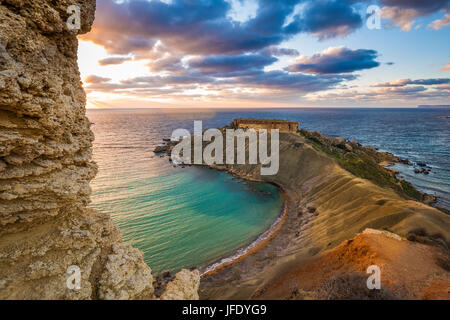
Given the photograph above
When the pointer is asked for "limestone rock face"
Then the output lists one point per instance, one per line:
(126, 275)
(383, 232)
(183, 287)
(46, 166)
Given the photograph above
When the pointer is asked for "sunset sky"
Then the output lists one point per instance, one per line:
(261, 53)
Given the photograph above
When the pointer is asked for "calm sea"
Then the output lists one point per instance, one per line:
(190, 217)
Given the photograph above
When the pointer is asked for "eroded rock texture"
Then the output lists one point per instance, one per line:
(45, 167)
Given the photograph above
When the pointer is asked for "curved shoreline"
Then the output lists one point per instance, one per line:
(273, 235)
(261, 242)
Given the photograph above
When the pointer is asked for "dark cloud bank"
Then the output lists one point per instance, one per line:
(198, 42)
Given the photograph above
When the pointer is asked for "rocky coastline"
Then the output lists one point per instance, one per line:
(345, 151)
(336, 189)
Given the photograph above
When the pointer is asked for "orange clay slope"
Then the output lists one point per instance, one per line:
(408, 270)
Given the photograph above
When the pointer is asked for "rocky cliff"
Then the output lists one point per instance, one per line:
(45, 169)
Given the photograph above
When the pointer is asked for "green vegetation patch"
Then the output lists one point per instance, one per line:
(361, 162)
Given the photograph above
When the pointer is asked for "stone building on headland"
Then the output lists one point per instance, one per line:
(282, 125)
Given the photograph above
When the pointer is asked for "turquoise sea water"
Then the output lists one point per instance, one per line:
(182, 218)
(179, 217)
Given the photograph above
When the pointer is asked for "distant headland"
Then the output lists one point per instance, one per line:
(444, 106)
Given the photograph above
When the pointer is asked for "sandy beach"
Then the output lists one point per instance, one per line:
(262, 241)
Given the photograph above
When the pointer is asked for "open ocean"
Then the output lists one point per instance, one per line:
(190, 217)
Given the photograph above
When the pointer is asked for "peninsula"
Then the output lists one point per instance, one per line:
(346, 212)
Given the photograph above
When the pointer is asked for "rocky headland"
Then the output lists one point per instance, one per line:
(46, 166)
(346, 211)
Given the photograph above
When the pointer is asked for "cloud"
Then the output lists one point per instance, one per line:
(446, 67)
(403, 18)
(272, 83)
(242, 75)
(204, 47)
(235, 65)
(195, 27)
(422, 6)
(169, 63)
(403, 13)
(405, 82)
(392, 95)
(205, 27)
(440, 23)
(326, 19)
(394, 83)
(401, 91)
(96, 79)
(167, 80)
(336, 60)
(277, 51)
(429, 82)
(115, 30)
(113, 61)
(299, 83)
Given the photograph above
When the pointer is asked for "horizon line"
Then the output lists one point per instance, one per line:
(256, 108)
